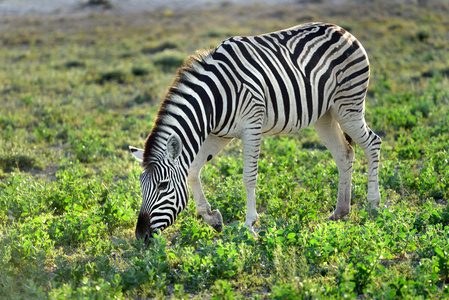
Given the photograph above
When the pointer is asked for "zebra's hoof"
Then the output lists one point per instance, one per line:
(218, 226)
(251, 230)
(332, 218)
(337, 216)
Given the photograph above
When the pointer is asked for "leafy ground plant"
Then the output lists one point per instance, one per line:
(77, 90)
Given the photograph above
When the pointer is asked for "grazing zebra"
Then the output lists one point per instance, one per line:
(281, 82)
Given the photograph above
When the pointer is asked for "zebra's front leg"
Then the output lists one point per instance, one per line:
(251, 139)
(211, 217)
(211, 147)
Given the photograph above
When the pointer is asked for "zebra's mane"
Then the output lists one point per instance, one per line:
(190, 64)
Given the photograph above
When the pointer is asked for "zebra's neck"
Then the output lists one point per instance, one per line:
(188, 111)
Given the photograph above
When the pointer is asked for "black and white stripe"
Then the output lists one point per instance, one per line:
(281, 82)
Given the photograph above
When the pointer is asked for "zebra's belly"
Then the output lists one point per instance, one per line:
(283, 128)
(273, 125)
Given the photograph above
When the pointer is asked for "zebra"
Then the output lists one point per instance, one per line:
(275, 83)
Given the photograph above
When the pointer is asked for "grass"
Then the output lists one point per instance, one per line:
(76, 91)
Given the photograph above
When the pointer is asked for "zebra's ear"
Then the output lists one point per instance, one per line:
(137, 153)
(174, 147)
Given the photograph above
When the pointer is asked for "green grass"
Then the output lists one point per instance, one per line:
(76, 91)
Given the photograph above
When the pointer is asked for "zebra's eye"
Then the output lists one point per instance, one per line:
(163, 185)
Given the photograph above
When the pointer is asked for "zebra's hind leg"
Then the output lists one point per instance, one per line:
(251, 140)
(211, 147)
(332, 137)
(370, 143)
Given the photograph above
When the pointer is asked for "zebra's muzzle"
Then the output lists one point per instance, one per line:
(143, 228)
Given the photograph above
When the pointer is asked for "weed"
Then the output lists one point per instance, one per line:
(169, 59)
(139, 71)
(116, 76)
(77, 91)
(74, 64)
(166, 45)
(222, 291)
(144, 98)
(423, 35)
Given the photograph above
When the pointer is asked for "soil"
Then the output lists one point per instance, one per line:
(26, 7)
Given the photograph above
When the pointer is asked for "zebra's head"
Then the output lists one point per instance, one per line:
(164, 189)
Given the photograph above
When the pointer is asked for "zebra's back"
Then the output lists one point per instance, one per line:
(291, 77)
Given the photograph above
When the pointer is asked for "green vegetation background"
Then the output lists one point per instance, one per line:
(75, 91)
